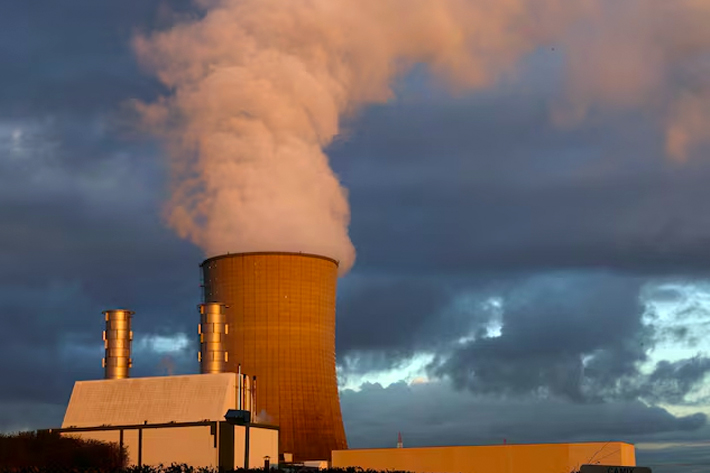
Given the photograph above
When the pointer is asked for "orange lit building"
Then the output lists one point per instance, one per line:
(169, 419)
(280, 313)
(271, 315)
(532, 458)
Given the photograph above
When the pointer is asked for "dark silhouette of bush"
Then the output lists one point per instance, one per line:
(180, 469)
(25, 453)
(48, 451)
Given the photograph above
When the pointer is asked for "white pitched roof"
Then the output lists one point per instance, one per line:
(161, 399)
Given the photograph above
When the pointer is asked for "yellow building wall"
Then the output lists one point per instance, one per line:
(262, 443)
(193, 446)
(189, 445)
(533, 458)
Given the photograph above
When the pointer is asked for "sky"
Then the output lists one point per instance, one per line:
(515, 278)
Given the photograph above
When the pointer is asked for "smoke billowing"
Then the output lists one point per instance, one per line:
(259, 88)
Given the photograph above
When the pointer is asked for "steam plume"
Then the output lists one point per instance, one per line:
(260, 86)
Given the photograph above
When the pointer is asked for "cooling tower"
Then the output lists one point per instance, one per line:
(117, 343)
(281, 319)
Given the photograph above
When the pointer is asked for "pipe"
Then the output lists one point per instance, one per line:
(213, 331)
(117, 361)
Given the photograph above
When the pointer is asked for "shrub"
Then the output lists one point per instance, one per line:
(49, 451)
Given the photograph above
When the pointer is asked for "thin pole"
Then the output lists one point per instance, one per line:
(120, 447)
(246, 446)
(140, 448)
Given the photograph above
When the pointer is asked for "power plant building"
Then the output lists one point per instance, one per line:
(169, 419)
(267, 392)
(522, 458)
(280, 314)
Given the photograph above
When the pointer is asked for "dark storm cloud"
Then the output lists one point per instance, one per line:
(548, 327)
(74, 57)
(581, 338)
(20, 416)
(80, 205)
(671, 382)
(489, 185)
(387, 317)
(435, 414)
(82, 232)
(693, 457)
(76, 198)
(78, 225)
(384, 320)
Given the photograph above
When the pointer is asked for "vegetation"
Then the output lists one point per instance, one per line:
(175, 469)
(44, 451)
(170, 469)
(167, 469)
(47, 452)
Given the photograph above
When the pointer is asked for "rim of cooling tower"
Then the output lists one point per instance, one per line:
(265, 253)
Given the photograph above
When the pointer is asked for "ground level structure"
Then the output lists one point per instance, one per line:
(169, 419)
(528, 458)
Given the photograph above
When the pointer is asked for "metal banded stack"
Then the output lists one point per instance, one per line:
(117, 361)
(213, 331)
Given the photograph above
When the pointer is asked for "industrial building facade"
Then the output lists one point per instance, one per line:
(280, 313)
(169, 419)
(525, 458)
(271, 315)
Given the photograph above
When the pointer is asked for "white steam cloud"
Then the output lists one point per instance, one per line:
(259, 88)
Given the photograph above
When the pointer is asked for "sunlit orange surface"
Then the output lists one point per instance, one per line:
(532, 458)
(281, 318)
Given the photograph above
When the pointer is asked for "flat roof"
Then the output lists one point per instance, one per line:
(595, 442)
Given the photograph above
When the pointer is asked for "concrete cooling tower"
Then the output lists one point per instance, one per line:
(280, 312)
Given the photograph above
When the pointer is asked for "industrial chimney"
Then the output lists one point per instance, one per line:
(280, 310)
(213, 330)
(117, 343)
